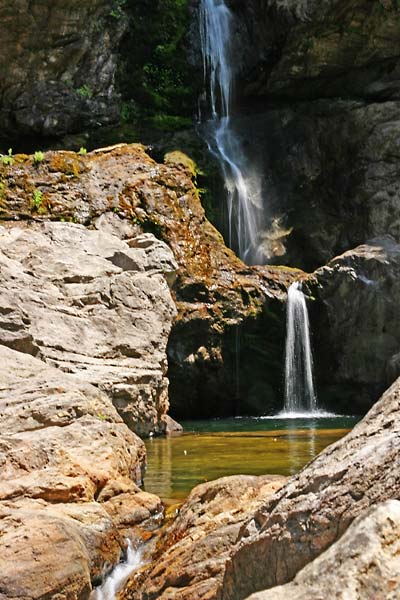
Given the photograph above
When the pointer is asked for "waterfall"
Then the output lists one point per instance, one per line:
(242, 182)
(299, 384)
(119, 575)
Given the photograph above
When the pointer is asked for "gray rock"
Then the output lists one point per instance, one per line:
(87, 303)
(315, 508)
(356, 325)
(363, 565)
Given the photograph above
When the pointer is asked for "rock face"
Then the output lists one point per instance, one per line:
(191, 559)
(363, 564)
(356, 325)
(314, 509)
(57, 75)
(68, 468)
(230, 317)
(87, 303)
(317, 49)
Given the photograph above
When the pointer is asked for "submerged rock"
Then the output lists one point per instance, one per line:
(364, 564)
(314, 509)
(191, 558)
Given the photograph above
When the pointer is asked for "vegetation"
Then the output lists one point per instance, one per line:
(38, 157)
(37, 200)
(8, 159)
(85, 91)
(155, 80)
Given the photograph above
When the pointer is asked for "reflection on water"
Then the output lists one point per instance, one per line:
(213, 449)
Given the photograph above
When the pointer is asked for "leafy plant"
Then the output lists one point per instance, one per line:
(8, 159)
(38, 157)
(85, 91)
(82, 151)
(37, 200)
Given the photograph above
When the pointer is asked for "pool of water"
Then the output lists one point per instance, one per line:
(211, 449)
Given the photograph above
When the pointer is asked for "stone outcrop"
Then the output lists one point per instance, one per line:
(314, 509)
(68, 470)
(222, 304)
(191, 558)
(57, 76)
(364, 564)
(355, 324)
(89, 304)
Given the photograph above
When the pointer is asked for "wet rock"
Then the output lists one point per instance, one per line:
(314, 509)
(356, 326)
(364, 563)
(89, 304)
(190, 560)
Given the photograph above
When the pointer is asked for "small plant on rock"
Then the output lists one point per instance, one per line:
(85, 91)
(38, 157)
(7, 159)
(82, 151)
(37, 200)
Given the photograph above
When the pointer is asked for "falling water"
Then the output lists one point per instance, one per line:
(119, 575)
(242, 182)
(299, 385)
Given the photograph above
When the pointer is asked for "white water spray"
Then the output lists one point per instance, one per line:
(119, 574)
(243, 184)
(299, 384)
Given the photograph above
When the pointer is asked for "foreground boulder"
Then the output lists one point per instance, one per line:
(363, 564)
(356, 325)
(69, 466)
(191, 558)
(316, 507)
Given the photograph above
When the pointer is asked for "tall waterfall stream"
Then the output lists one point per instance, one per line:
(242, 182)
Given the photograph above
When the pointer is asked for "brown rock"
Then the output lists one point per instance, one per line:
(190, 560)
(363, 565)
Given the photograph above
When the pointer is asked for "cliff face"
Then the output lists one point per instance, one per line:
(57, 64)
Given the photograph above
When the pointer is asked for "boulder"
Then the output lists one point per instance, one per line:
(356, 326)
(190, 560)
(314, 509)
(363, 564)
(66, 460)
(87, 303)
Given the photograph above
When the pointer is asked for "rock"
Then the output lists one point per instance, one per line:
(357, 357)
(309, 49)
(363, 564)
(227, 312)
(66, 460)
(191, 557)
(65, 83)
(89, 304)
(315, 508)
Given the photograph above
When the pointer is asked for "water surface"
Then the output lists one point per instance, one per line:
(211, 449)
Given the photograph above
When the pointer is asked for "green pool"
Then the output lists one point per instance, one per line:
(211, 449)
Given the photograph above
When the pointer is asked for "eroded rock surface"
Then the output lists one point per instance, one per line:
(364, 564)
(191, 559)
(316, 506)
(67, 460)
(89, 304)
